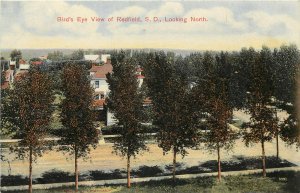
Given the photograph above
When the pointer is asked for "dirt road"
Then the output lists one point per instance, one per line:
(103, 159)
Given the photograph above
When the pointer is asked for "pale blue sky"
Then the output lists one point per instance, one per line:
(230, 26)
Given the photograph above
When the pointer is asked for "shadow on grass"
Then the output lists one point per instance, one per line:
(235, 164)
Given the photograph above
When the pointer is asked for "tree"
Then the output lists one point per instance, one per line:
(77, 55)
(125, 101)
(56, 56)
(286, 72)
(172, 105)
(35, 60)
(79, 132)
(27, 114)
(290, 132)
(263, 122)
(16, 55)
(214, 90)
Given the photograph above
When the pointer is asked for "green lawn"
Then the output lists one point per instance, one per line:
(282, 182)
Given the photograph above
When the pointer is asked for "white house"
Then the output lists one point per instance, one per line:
(98, 81)
(92, 58)
(105, 58)
(23, 65)
(139, 76)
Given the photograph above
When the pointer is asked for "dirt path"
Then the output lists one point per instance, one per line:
(103, 159)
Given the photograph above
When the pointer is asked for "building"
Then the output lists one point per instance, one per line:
(13, 70)
(10, 70)
(23, 65)
(95, 59)
(98, 81)
(139, 76)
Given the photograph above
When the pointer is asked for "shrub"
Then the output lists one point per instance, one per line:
(147, 171)
(101, 175)
(178, 166)
(13, 180)
(55, 176)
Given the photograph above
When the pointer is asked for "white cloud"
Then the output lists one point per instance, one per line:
(219, 17)
(42, 17)
(266, 22)
(279, 25)
(167, 9)
(129, 11)
(219, 20)
(223, 30)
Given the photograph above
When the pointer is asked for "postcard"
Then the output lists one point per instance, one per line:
(140, 96)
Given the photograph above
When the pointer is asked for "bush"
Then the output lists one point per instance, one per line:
(55, 176)
(14, 180)
(148, 171)
(101, 175)
(246, 163)
(178, 166)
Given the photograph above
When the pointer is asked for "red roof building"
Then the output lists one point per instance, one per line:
(101, 71)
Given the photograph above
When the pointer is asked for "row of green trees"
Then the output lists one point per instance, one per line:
(201, 91)
(27, 109)
(188, 94)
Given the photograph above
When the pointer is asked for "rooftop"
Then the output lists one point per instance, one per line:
(101, 71)
(91, 57)
(99, 103)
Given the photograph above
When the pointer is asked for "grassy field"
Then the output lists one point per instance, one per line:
(275, 182)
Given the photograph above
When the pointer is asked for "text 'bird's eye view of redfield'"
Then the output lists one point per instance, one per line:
(150, 96)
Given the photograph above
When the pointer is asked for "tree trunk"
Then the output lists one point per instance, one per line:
(263, 158)
(128, 172)
(174, 164)
(277, 144)
(219, 165)
(277, 135)
(76, 171)
(30, 170)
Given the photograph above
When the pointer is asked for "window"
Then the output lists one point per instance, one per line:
(97, 97)
(97, 84)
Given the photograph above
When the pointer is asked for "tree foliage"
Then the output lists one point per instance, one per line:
(27, 114)
(15, 55)
(56, 56)
(77, 55)
(263, 122)
(286, 73)
(172, 107)
(125, 101)
(79, 132)
(214, 93)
